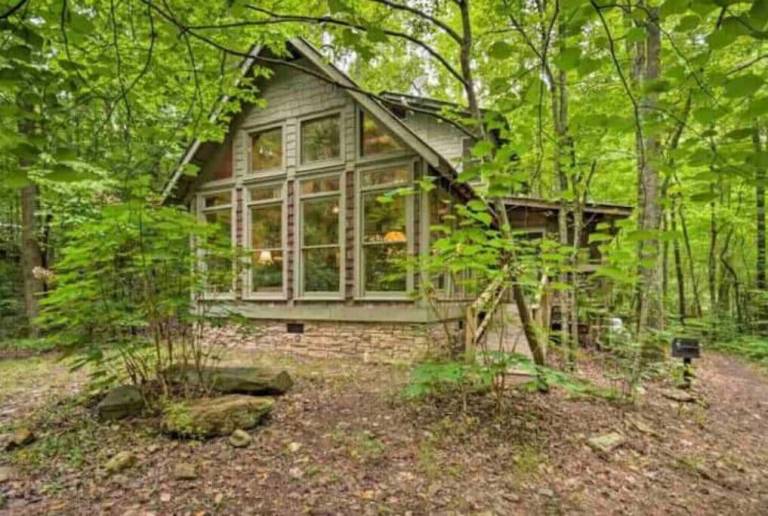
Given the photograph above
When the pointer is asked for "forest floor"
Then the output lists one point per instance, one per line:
(344, 441)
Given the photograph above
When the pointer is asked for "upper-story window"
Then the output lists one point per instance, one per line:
(321, 139)
(266, 243)
(223, 166)
(216, 209)
(374, 139)
(321, 236)
(267, 149)
(385, 230)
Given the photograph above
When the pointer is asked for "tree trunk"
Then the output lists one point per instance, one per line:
(760, 275)
(691, 269)
(31, 257)
(679, 276)
(650, 305)
(465, 58)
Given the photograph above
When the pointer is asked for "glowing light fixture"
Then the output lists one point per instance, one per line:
(394, 236)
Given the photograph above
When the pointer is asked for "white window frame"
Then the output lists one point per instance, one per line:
(247, 292)
(411, 233)
(201, 210)
(250, 132)
(301, 293)
(333, 162)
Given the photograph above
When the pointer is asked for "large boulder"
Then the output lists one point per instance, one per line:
(210, 417)
(120, 402)
(231, 380)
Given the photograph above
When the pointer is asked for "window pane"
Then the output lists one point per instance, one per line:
(321, 269)
(386, 176)
(267, 271)
(265, 192)
(384, 222)
(267, 149)
(223, 169)
(322, 184)
(217, 199)
(321, 222)
(384, 267)
(320, 139)
(218, 266)
(374, 139)
(266, 227)
(224, 219)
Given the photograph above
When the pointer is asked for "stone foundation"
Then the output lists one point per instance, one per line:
(366, 341)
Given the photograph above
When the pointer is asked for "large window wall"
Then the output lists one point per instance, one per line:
(288, 209)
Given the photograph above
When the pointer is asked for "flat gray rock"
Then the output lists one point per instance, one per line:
(121, 402)
(606, 443)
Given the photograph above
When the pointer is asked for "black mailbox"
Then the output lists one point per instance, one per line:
(685, 347)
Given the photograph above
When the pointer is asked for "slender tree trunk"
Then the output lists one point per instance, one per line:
(691, 268)
(760, 275)
(650, 304)
(712, 259)
(31, 257)
(679, 276)
(465, 59)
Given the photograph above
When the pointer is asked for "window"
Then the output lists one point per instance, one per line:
(216, 209)
(267, 149)
(223, 168)
(385, 230)
(321, 236)
(321, 139)
(374, 139)
(265, 219)
(441, 223)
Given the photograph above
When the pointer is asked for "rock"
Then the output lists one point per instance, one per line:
(546, 492)
(642, 427)
(295, 473)
(240, 438)
(8, 473)
(120, 462)
(184, 471)
(606, 443)
(678, 395)
(120, 402)
(21, 437)
(210, 417)
(233, 380)
(294, 447)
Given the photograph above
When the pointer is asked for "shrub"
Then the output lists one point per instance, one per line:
(128, 290)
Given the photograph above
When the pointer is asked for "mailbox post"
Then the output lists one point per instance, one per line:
(686, 348)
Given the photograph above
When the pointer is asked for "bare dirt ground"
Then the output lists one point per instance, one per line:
(343, 441)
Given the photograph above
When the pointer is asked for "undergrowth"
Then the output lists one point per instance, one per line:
(752, 348)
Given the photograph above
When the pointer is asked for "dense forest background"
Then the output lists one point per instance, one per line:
(661, 105)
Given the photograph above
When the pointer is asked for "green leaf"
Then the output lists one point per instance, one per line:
(758, 14)
(635, 35)
(338, 6)
(376, 35)
(500, 50)
(743, 86)
(758, 106)
(740, 134)
(672, 7)
(482, 148)
(568, 59)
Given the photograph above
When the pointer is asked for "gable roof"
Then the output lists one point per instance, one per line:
(301, 47)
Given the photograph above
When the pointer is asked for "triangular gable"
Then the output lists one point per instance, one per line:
(335, 76)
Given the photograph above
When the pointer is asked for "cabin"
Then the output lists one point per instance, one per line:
(296, 184)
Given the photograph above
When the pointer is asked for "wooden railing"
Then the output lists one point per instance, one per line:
(480, 313)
